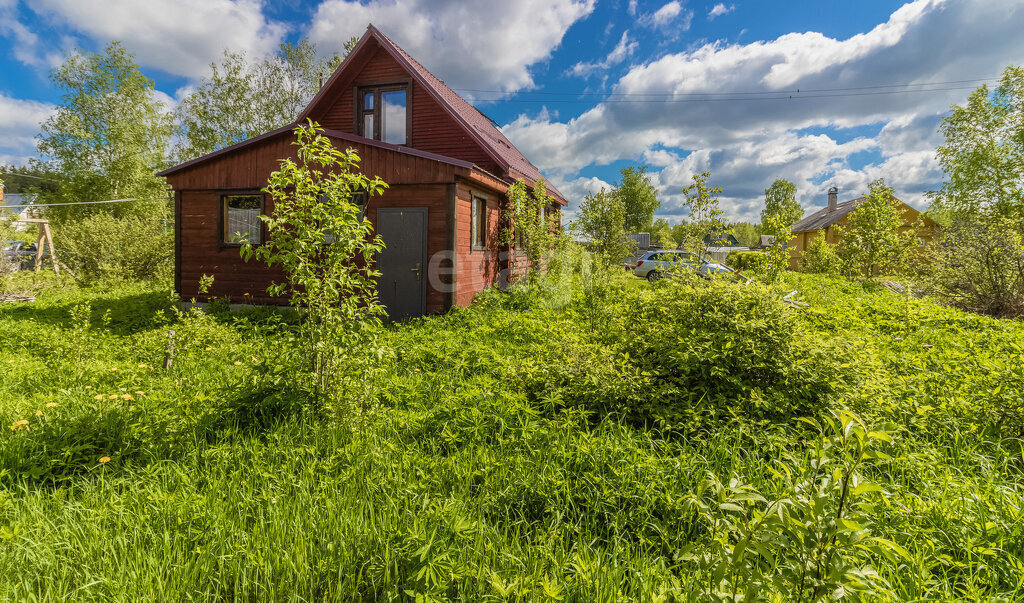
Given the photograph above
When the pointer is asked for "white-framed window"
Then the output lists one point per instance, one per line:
(479, 223)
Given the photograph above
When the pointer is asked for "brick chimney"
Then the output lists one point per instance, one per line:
(833, 199)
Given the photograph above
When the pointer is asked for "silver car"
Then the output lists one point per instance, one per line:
(654, 265)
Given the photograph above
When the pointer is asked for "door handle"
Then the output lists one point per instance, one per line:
(417, 271)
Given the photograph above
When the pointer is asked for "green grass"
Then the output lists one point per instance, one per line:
(513, 453)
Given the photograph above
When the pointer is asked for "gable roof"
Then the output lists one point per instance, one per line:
(823, 218)
(479, 127)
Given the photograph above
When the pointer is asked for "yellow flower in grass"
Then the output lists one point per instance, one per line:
(104, 459)
(51, 404)
(19, 424)
(143, 365)
(238, 362)
(39, 413)
(208, 348)
(98, 397)
(88, 387)
(113, 369)
(127, 397)
(112, 397)
(139, 392)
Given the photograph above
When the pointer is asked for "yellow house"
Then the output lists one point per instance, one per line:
(837, 214)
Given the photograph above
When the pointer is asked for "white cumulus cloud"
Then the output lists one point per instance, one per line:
(720, 9)
(623, 50)
(180, 37)
(459, 42)
(19, 123)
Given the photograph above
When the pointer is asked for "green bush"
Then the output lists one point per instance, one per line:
(744, 260)
(687, 354)
(821, 256)
(102, 247)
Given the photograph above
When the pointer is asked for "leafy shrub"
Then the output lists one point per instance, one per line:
(102, 247)
(689, 354)
(979, 266)
(821, 256)
(743, 260)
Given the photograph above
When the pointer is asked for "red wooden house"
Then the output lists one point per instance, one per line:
(447, 166)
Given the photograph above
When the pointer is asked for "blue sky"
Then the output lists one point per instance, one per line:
(587, 87)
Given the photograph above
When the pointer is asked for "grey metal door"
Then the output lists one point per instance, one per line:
(403, 281)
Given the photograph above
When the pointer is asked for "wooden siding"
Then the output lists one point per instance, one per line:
(250, 167)
(477, 269)
(433, 127)
(203, 253)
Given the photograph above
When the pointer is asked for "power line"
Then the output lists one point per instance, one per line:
(791, 97)
(29, 176)
(736, 92)
(93, 202)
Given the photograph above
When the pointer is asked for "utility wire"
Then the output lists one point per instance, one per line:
(28, 176)
(711, 100)
(92, 202)
(738, 92)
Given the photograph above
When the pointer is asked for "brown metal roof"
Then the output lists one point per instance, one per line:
(477, 125)
(823, 218)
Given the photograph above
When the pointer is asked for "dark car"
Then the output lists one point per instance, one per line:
(20, 254)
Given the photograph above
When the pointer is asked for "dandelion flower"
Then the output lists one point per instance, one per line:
(98, 397)
(208, 348)
(113, 369)
(127, 397)
(143, 365)
(51, 404)
(39, 413)
(88, 387)
(112, 397)
(19, 424)
(139, 392)
(254, 359)
(104, 459)
(238, 362)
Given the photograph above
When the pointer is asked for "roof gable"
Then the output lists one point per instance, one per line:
(476, 125)
(823, 218)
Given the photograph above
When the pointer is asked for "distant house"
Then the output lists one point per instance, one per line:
(447, 165)
(837, 214)
(18, 206)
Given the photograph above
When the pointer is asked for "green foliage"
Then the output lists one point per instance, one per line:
(639, 197)
(978, 265)
(661, 233)
(979, 262)
(821, 256)
(107, 137)
(780, 202)
(747, 234)
(706, 217)
(532, 222)
(871, 242)
(458, 484)
(240, 100)
(744, 260)
(326, 248)
(104, 248)
(688, 356)
(602, 217)
(983, 152)
(775, 260)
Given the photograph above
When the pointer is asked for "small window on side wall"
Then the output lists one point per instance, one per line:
(479, 222)
(241, 219)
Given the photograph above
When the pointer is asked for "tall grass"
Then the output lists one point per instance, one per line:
(471, 479)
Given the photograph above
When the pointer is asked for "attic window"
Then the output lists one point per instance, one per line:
(384, 114)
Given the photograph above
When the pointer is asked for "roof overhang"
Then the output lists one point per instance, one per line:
(334, 134)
